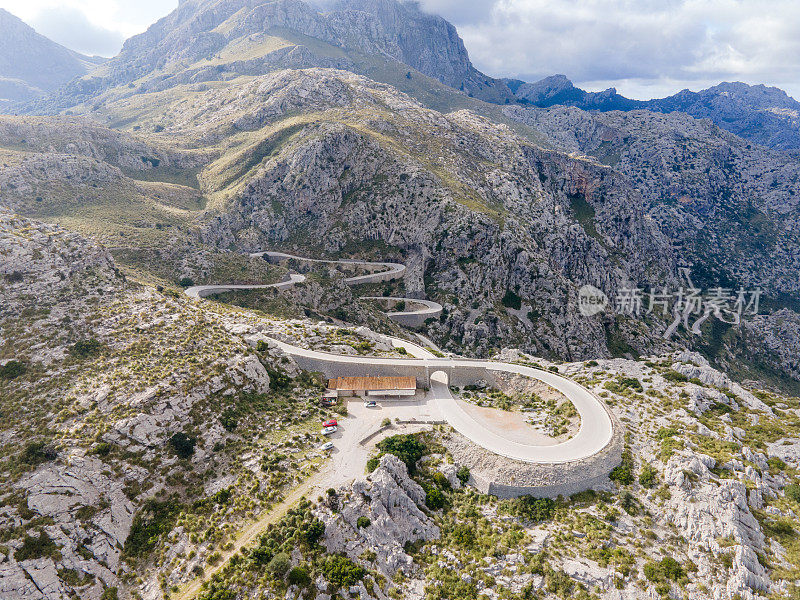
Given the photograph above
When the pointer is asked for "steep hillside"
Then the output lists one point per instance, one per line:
(32, 65)
(213, 40)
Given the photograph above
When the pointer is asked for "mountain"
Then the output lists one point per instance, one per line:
(765, 115)
(551, 199)
(558, 90)
(212, 40)
(32, 65)
(157, 446)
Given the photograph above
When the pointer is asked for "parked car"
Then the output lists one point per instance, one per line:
(326, 446)
(328, 430)
(370, 404)
(330, 423)
(328, 401)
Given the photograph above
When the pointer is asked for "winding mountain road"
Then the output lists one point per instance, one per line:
(596, 430)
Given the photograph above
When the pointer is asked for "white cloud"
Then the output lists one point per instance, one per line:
(70, 27)
(642, 47)
(104, 18)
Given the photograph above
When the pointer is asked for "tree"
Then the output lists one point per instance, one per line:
(406, 447)
(182, 444)
(363, 522)
(463, 474)
(12, 369)
(279, 564)
(341, 571)
(434, 498)
(299, 576)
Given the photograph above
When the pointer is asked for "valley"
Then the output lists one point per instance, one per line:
(254, 198)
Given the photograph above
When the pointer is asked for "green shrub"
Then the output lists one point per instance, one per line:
(12, 369)
(154, 520)
(182, 444)
(511, 300)
(228, 420)
(441, 480)
(674, 376)
(406, 447)
(278, 380)
(36, 453)
(792, 492)
(312, 531)
(341, 571)
(110, 594)
(186, 282)
(279, 564)
(33, 547)
(217, 591)
(623, 474)
(85, 348)
(463, 535)
(262, 346)
(363, 522)
(648, 477)
(372, 463)
(463, 474)
(530, 508)
(102, 449)
(434, 498)
(299, 576)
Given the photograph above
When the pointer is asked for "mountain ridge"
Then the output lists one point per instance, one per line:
(31, 64)
(763, 114)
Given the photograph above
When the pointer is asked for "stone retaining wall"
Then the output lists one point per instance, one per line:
(506, 478)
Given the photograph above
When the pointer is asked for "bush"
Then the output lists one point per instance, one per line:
(36, 453)
(674, 376)
(792, 492)
(12, 369)
(623, 474)
(463, 474)
(36, 547)
(228, 420)
(341, 571)
(666, 569)
(464, 535)
(511, 300)
(85, 348)
(154, 520)
(406, 447)
(217, 591)
(182, 444)
(648, 477)
(111, 593)
(299, 576)
(434, 498)
(262, 346)
(441, 480)
(279, 564)
(530, 508)
(363, 522)
(372, 463)
(311, 532)
(278, 380)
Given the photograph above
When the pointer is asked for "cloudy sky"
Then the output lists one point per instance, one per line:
(645, 48)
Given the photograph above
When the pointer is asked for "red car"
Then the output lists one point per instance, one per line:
(330, 423)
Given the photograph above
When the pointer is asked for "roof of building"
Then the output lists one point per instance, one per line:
(373, 383)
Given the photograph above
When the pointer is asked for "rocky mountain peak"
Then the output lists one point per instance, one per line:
(31, 64)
